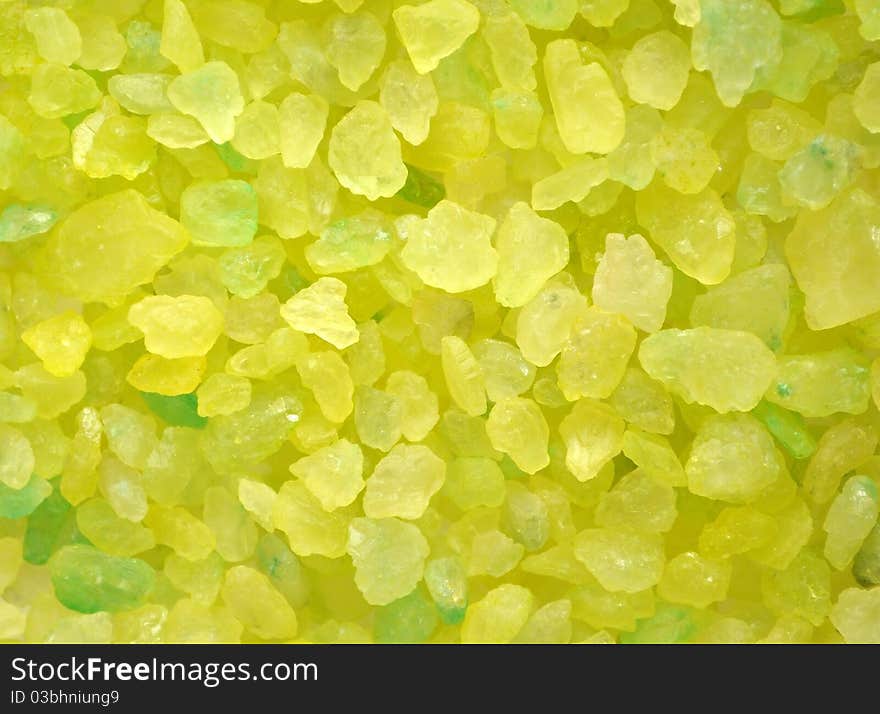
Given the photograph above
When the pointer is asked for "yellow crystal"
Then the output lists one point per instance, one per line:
(434, 30)
(523, 239)
(697, 365)
(498, 616)
(212, 95)
(61, 342)
(174, 327)
(333, 474)
(364, 152)
(128, 241)
(588, 111)
(403, 483)
(320, 310)
(451, 248)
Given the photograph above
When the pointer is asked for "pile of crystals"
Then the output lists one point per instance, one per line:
(454, 321)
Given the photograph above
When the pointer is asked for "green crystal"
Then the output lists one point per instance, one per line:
(180, 410)
(18, 222)
(350, 244)
(811, 10)
(18, 503)
(250, 436)
(410, 620)
(819, 171)
(235, 161)
(51, 526)
(421, 189)
(789, 429)
(87, 580)
(221, 213)
(283, 568)
(447, 584)
(866, 566)
(734, 40)
(669, 625)
(143, 48)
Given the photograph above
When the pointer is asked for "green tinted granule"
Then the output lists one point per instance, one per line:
(18, 222)
(22, 502)
(421, 189)
(180, 410)
(87, 580)
(50, 525)
(449, 321)
(410, 620)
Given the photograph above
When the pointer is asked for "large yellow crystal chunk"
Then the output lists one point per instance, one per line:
(403, 483)
(464, 376)
(866, 100)
(388, 556)
(152, 373)
(180, 38)
(127, 241)
(320, 310)
(856, 615)
(333, 474)
(639, 503)
(180, 530)
(645, 84)
(694, 580)
(58, 38)
(546, 321)
(355, 46)
(588, 112)
(631, 281)
(103, 46)
(842, 448)
(434, 30)
(57, 91)
(16, 458)
(517, 427)
(498, 616)
(451, 248)
(654, 455)
(728, 370)
(595, 356)
(822, 383)
(736, 530)
(61, 342)
(837, 277)
(327, 375)
(644, 402)
(365, 153)
(301, 119)
(174, 327)
(257, 131)
(531, 249)
(310, 529)
(513, 52)
(733, 458)
(419, 410)
(755, 300)
(593, 435)
(257, 605)
(621, 560)
(850, 519)
(223, 393)
(696, 230)
(410, 99)
(572, 183)
(210, 93)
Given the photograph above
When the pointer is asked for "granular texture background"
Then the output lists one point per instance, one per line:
(494, 321)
